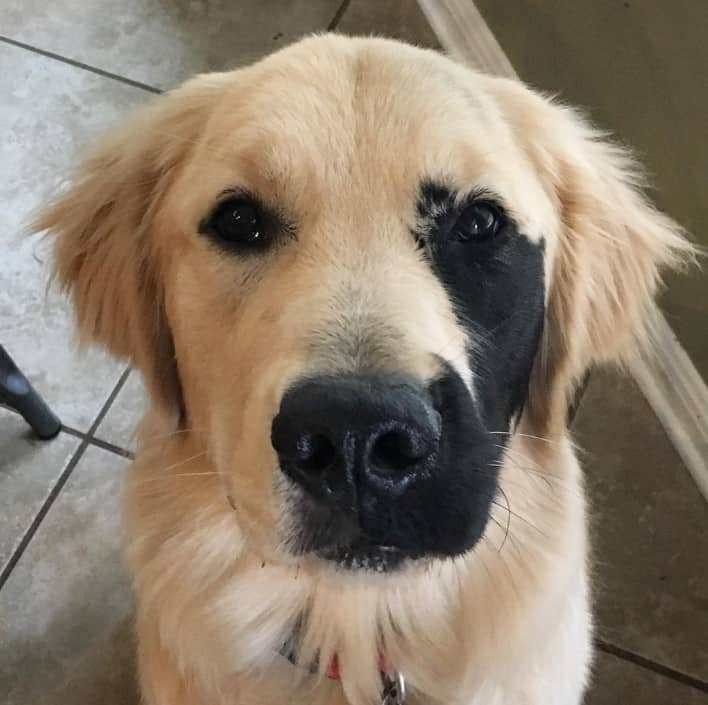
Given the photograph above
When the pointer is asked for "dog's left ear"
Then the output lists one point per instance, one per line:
(105, 252)
(611, 249)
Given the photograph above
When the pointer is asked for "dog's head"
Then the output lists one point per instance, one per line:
(352, 270)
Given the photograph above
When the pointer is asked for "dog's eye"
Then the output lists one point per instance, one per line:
(480, 221)
(237, 221)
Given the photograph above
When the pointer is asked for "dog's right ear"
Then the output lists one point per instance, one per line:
(105, 254)
(611, 251)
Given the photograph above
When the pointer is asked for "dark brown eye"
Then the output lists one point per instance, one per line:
(479, 221)
(237, 221)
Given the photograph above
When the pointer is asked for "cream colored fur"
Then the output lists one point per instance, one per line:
(339, 133)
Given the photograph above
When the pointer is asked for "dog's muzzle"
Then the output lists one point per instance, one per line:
(372, 455)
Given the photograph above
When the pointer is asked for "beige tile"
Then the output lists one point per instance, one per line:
(49, 113)
(119, 424)
(29, 468)
(618, 682)
(64, 611)
(399, 19)
(105, 675)
(649, 527)
(163, 43)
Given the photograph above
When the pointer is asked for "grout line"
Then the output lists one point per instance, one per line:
(111, 447)
(71, 431)
(111, 398)
(59, 484)
(338, 15)
(46, 505)
(651, 665)
(81, 65)
(99, 442)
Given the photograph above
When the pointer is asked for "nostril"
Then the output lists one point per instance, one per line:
(343, 438)
(314, 453)
(398, 449)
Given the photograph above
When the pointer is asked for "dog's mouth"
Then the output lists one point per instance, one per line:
(364, 556)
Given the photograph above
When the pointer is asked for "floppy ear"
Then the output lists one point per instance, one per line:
(105, 254)
(612, 247)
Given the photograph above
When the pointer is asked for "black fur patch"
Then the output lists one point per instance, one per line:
(497, 289)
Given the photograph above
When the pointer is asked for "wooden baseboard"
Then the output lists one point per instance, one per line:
(679, 397)
(672, 385)
(465, 35)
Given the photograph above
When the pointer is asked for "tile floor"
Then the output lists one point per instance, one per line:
(70, 70)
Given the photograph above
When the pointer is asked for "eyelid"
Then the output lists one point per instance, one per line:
(481, 196)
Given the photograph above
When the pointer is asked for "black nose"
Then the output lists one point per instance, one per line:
(339, 436)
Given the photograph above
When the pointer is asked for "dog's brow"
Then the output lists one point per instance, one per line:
(434, 193)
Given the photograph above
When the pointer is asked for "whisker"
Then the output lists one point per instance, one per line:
(518, 516)
(195, 474)
(518, 453)
(177, 476)
(163, 477)
(529, 464)
(511, 434)
(159, 436)
(541, 474)
(515, 483)
(505, 529)
(511, 537)
(508, 517)
(184, 462)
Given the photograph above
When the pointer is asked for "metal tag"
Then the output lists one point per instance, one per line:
(394, 689)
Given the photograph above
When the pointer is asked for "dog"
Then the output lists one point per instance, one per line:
(362, 284)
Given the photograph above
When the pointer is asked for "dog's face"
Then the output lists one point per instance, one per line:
(357, 302)
(355, 267)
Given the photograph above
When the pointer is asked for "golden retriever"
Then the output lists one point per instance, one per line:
(361, 283)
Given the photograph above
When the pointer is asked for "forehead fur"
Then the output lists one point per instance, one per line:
(332, 123)
(339, 133)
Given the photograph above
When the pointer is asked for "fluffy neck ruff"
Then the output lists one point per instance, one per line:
(449, 626)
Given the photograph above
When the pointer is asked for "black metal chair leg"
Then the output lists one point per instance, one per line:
(18, 393)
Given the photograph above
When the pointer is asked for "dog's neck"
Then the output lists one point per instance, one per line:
(438, 624)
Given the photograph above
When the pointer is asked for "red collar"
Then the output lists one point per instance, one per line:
(333, 668)
(393, 690)
(393, 684)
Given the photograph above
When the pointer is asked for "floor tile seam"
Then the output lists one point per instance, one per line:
(649, 664)
(125, 80)
(59, 484)
(41, 513)
(74, 432)
(338, 15)
(101, 443)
